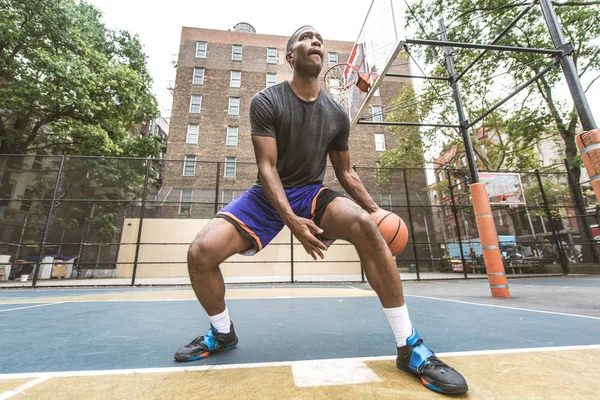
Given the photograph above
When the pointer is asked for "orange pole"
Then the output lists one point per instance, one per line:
(489, 241)
(588, 143)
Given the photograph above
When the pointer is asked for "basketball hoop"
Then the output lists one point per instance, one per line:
(339, 81)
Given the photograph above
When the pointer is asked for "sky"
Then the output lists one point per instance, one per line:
(158, 24)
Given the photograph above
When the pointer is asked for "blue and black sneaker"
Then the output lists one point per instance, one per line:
(436, 375)
(204, 346)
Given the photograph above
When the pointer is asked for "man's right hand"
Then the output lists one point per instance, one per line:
(305, 230)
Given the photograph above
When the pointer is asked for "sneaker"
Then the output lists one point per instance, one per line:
(204, 346)
(436, 375)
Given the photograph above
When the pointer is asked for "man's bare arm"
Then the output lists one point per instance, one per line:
(350, 180)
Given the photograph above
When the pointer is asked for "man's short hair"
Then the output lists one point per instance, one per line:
(294, 37)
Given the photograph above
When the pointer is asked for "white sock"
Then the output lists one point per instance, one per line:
(221, 321)
(400, 322)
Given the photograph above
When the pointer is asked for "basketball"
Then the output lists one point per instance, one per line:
(393, 229)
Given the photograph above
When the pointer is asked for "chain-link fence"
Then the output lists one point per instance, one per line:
(74, 220)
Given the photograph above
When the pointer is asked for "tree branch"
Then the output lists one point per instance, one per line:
(591, 83)
(592, 59)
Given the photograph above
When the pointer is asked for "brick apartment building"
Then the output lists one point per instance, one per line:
(209, 151)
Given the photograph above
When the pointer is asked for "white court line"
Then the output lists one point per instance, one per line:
(31, 375)
(22, 388)
(156, 300)
(38, 305)
(506, 307)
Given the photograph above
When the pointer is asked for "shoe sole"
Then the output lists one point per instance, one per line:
(437, 386)
(202, 355)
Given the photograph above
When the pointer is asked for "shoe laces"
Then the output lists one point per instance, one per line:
(209, 340)
(432, 360)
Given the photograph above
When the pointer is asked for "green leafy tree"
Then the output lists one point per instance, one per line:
(70, 85)
(537, 113)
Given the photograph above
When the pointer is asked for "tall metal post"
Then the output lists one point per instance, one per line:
(217, 186)
(362, 270)
(462, 118)
(47, 227)
(291, 257)
(142, 211)
(568, 66)
(410, 223)
(561, 254)
(454, 211)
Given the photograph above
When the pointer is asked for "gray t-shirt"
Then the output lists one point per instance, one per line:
(304, 130)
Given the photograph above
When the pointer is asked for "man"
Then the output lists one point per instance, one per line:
(294, 126)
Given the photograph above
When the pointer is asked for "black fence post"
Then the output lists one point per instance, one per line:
(217, 186)
(142, 211)
(362, 270)
(47, 227)
(561, 254)
(292, 256)
(410, 223)
(455, 212)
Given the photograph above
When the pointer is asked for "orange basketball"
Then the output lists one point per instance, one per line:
(393, 229)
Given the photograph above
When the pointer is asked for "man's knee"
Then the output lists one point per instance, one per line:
(363, 226)
(199, 255)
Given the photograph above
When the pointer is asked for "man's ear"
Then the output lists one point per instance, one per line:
(289, 58)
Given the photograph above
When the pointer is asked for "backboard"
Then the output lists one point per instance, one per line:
(503, 188)
(379, 42)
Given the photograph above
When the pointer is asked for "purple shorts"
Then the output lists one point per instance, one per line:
(254, 217)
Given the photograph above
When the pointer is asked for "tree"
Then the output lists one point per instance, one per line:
(537, 112)
(69, 85)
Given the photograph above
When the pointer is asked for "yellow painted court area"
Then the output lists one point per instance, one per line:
(241, 293)
(563, 374)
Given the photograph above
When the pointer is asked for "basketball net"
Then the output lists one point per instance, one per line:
(339, 81)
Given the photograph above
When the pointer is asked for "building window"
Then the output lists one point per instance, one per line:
(185, 202)
(5, 201)
(271, 55)
(230, 166)
(379, 142)
(189, 166)
(376, 114)
(227, 196)
(236, 52)
(232, 136)
(26, 202)
(376, 93)
(435, 194)
(466, 225)
(37, 163)
(271, 79)
(195, 104)
(192, 134)
(332, 59)
(449, 231)
(440, 176)
(499, 218)
(458, 184)
(200, 49)
(236, 79)
(198, 76)
(234, 106)
(446, 211)
(463, 160)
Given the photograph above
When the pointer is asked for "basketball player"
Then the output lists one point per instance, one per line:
(294, 126)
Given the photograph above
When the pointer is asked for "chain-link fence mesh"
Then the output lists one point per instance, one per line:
(131, 221)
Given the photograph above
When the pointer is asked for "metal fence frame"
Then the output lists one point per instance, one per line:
(416, 259)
